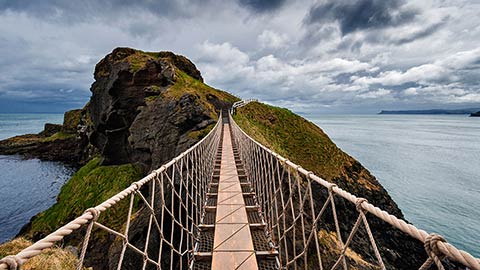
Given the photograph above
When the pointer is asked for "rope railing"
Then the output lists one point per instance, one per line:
(285, 191)
(171, 199)
(241, 103)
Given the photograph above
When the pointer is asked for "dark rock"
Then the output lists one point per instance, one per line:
(183, 64)
(50, 129)
(67, 143)
(475, 114)
(71, 121)
(126, 127)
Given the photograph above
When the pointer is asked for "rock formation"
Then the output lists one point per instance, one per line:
(67, 142)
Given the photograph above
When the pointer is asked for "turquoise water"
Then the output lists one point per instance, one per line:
(429, 164)
(27, 186)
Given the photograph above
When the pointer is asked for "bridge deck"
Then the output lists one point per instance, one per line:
(233, 246)
(233, 230)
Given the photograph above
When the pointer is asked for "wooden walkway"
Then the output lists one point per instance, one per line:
(233, 231)
(232, 245)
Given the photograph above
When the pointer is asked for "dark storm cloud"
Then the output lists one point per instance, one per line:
(262, 5)
(68, 11)
(361, 14)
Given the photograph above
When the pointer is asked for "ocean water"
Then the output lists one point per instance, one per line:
(27, 187)
(429, 164)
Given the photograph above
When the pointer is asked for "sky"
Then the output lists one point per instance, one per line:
(327, 56)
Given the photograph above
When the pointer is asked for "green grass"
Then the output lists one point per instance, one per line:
(58, 136)
(304, 143)
(138, 60)
(293, 137)
(90, 186)
(199, 134)
(185, 84)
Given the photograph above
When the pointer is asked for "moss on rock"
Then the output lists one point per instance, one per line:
(71, 120)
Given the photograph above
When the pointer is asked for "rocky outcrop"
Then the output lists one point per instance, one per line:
(143, 106)
(67, 142)
(475, 114)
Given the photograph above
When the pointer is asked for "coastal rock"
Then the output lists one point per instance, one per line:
(50, 129)
(71, 121)
(64, 143)
(475, 114)
(136, 115)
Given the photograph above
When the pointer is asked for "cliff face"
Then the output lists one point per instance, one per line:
(146, 106)
(306, 144)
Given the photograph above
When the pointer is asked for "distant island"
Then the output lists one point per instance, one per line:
(475, 114)
(471, 111)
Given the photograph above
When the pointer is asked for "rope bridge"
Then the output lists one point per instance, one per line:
(177, 201)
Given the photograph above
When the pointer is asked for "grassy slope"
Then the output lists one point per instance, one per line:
(185, 84)
(293, 137)
(90, 186)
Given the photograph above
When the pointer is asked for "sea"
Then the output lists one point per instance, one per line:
(429, 164)
(27, 186)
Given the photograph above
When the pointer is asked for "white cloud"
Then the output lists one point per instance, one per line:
(375, 94)
(272, 40)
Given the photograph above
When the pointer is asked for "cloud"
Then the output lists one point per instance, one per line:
(71, 11)
(262, 5)
(272, 40)
(271, 78)
(361, 14)
(375, 94)
(438, 71)
(331, 56)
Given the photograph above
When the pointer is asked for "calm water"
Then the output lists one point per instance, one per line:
(27, 186)
(430, 165)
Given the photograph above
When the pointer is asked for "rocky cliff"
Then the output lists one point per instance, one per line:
(147, 107)
(67, 142)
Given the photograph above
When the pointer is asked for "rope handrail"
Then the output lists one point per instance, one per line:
(167, 177)
(269, 171)
(242, 103)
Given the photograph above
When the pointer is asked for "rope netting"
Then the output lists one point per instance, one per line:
(164, 208)
(285, 191)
